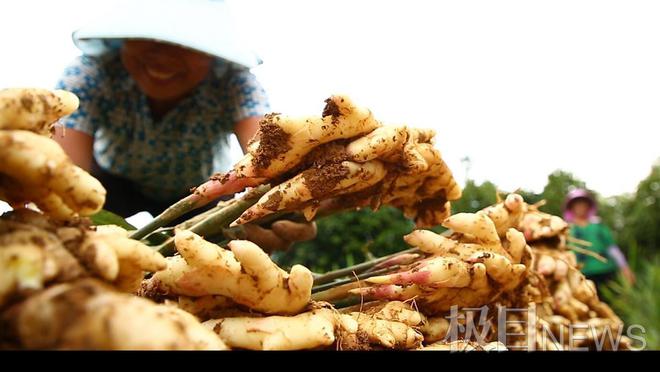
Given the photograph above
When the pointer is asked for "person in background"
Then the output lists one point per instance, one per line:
(162, 86)
(580, 210)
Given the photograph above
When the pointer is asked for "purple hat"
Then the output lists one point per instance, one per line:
(576, 194)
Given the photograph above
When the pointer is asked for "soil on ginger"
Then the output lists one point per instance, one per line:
(273, 140)
(322, 181)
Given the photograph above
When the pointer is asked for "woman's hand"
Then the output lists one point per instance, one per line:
(78, 145)
(628, 275)
(281, 234)
(245, 130)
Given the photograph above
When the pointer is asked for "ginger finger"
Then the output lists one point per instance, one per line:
(397, 311)
(479, 277)
(435, 329)
(538, 225)
(199, 252)
(438, 176)
(436, 271)
(506, 214)
(517, 244)
(104, 320)
(380, 332)
(129, 277)
(400, 312)
(209, 307)
(429, 242)
(221, 185)
(34, 109)
(377, 144)
(475, 224)
(315, 184)
(29, 157)
(561, 269)
(245, 274)
(413, 159)
(78, 189)
(580, 286)
(498, 267)
(304, 331)
(284, 141)
(59, 264)
(464, 270)
(96, 255)
(133, 257)
(52, 205)
(255, 262)
(546, 265)
(134, 251)
(22, 269)
(110, 254)
(45, 173)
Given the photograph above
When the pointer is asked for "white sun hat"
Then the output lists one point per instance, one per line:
(203, 25)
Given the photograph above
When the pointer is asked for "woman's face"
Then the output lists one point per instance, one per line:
(580, 208)
(164, 71)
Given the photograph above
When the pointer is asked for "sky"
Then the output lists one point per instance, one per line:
(520, 87)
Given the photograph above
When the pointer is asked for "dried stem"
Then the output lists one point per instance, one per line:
(578, 241)
(588, 253)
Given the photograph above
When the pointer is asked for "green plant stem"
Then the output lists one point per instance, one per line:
(332, 275)
(197, 218)
(335, 293)
(327, 288)
(361, 267)
(220, 219)
(174, 211)
(354, 278)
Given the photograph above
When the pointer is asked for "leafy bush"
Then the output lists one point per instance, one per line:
(349, 238)
(638, 303)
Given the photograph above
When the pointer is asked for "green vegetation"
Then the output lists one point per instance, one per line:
(638, 304)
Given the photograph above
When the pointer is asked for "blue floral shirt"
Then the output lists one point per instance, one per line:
(164, 158)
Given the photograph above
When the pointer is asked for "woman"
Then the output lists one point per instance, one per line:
(160, 94)
(580, 210)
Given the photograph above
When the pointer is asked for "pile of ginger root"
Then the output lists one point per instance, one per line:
(485, 264)
(340, 160)
(489, 271)
(34, 168)
(572, 299)
(553, 306)
(66, 284)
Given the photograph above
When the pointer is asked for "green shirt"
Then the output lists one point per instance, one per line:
(601, 239)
